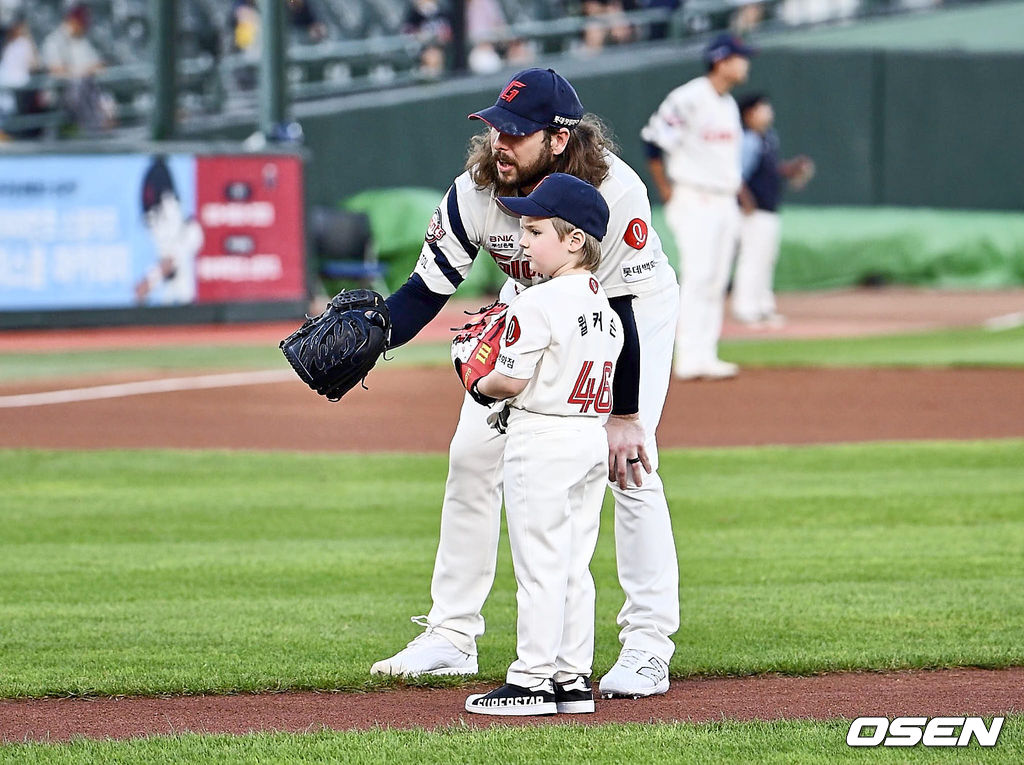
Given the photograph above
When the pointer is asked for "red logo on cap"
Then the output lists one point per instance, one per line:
(511, 90)
(636, 234)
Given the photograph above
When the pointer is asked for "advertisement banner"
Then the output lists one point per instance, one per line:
(121, 231)
(250, 210)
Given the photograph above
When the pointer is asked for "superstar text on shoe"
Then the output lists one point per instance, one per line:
(429, 653)
(635, 674)
(514, 701)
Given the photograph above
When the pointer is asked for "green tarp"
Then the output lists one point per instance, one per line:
(822, 247)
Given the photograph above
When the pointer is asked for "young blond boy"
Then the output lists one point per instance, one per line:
(554, 372)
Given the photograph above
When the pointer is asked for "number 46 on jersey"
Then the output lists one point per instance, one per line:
(593, 390)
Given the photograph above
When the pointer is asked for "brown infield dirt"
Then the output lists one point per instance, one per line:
(410, 409)
(761, 406)
(951, 692)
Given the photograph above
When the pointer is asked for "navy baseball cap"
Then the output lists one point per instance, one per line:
(532, 100)
(564, 196)
(724, 45)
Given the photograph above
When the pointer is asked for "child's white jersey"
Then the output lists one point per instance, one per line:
(563, 336)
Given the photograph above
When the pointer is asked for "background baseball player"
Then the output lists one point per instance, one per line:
(753, 300)
(555, 369)
(693, 147)
(538, 126)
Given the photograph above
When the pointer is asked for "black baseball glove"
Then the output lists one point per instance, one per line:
(338, 348)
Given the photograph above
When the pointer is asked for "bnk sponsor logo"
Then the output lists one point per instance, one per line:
(911, 731)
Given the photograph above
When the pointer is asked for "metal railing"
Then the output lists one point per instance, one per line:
(227, 85)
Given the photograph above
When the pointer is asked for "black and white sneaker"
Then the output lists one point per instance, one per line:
(515, 701)
(574, 696)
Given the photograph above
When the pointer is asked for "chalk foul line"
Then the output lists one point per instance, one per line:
(143, 387)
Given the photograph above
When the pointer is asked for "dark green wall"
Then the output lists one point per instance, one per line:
(954, 130)
(896, 128)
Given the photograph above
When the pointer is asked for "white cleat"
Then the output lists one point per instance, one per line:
(635, 674)
(429, 653)
(716, 369)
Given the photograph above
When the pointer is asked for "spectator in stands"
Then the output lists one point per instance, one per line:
(67, 50)
(606, 21)
(19, 58)
(245, 27)
(10, 11)
(747, 17)
(800, 12)
(246, 39)
(484, 20)
(18, 61)
(764, 175)
(658, 30)
(70, 56)
(305, 21)
(429, 24)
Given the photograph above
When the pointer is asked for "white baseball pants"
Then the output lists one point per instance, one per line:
(555, 473)
(752, 295)
(644, 547)
(705, 226)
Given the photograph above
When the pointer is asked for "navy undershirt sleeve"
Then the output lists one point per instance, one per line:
(626, 385)
(652, 150)
(412, 307)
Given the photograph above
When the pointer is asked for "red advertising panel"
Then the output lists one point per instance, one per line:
(250, 209)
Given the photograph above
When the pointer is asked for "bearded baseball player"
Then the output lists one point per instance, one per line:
(693, 146)
(538, 126)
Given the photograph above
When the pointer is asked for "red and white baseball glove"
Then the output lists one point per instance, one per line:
(475, 348)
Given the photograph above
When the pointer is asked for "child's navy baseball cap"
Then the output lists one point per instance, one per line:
(532, 100)
(563, 196)
(724, 45)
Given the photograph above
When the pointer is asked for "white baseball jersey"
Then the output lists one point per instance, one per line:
(699, 131)
(469, 219)
(564, 338)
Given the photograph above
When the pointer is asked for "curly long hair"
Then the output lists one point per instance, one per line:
(584, 155)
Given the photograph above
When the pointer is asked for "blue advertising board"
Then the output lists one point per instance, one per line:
(80, 231)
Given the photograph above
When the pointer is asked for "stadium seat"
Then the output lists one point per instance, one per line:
(343, 243)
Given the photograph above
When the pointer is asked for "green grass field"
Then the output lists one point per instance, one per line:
(187, 572)
(965, 347)
(817, 743)
(948, 348)
(20, 367)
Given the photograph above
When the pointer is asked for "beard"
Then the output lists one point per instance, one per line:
(523, 176)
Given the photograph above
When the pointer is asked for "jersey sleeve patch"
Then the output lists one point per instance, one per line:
(513, 332)
(526, 336)
(636, 234)
(435, 231)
